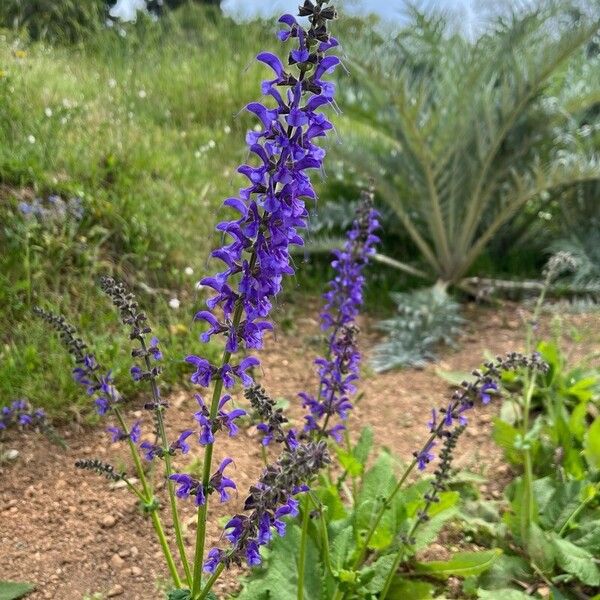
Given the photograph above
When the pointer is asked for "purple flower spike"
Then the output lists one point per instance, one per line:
(338, 372)
(270, 212)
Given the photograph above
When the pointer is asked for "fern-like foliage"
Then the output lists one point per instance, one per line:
(460, 136)
(425, 319)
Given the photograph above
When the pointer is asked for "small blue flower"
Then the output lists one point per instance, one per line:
(488, 389)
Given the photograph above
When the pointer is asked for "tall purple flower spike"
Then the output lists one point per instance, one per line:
(256, 256)
(271, 208)
(340, 369)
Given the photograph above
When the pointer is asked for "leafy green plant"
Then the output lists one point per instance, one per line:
(550, 435)
(460, 137)
(12, 590)
(426, 319)
(344, 516)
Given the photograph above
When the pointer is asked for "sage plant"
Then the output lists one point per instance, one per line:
(271, 214)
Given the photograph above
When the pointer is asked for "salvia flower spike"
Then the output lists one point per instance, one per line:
(271, 209)
(340, 369)
(269, 501)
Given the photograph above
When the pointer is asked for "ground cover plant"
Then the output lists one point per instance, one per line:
(549, 433)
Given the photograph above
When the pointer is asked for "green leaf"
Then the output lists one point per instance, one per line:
(462, 564)
(557, 594)
(329, 496)
(349, 462)
(504, 571)
(540, 549)
(588, 537)
(364, 446)
(592, 445)
(379, 571)
(278, 578)
(11, 590)
(405, 589)
(577, 424)
(439, 514)
(504, 593)
(341, 544)
(583, 389)
(377, 484)
(576, 561)
(561, 505)
(505, 436)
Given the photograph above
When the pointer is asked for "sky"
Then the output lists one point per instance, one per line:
(468, 15)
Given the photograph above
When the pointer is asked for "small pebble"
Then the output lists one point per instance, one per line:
(116, 562)
(116, 590)
(108, 521)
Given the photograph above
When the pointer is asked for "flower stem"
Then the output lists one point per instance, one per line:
(168, 470)
(148, 497)
(206, 473)
(303, 543)
(386, 503)
(211, 581)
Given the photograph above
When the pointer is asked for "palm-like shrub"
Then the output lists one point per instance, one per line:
(461, 136)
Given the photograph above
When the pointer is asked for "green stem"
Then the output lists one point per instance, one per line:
(148, 497)
(527, 510)
(211, 581)
(168, 471)
(363, 549)
(206, 473)
(303, 543)
(385, 505)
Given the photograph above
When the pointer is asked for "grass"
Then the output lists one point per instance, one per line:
(145, 127)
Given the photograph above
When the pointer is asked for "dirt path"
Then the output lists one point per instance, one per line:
(73, 534)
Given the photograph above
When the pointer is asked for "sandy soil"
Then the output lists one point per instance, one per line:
(74, 534)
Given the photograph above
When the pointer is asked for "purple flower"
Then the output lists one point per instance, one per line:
(154, 350)
(425, 456)
(188, 486)
(151, 451)
(215, 556)
(223, 419)
(117, 434)
(252, 554)
(180, 443)
(136, 373)
(220, 483)
(487, 390)
(102, 405)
